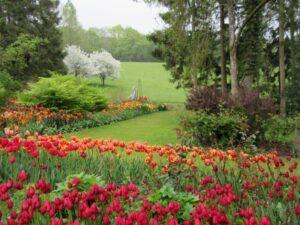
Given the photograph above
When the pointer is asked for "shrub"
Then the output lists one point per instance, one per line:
(208, 99)
(64, 92)
(224, 129)
(282, 131)
(250, 102)
(7, 87)
(162, 107)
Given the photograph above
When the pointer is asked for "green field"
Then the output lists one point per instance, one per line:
(154, 82)
(156, 129)
(151, 78)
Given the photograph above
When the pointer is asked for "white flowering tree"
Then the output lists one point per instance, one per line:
(101, 64)
(104, 65)
(77, 61)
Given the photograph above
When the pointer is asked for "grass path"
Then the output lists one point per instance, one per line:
(157, 128)
(153, 81)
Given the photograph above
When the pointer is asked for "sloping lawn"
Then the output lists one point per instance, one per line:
(152, 80)
(157, 129)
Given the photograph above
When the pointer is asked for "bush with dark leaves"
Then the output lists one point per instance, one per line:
(251, 103)
(211, 100)
(208, 99)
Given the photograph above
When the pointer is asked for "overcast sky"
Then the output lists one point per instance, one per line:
(107, 13)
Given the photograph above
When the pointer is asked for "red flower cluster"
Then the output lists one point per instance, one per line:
(255, 190)
(113, 205)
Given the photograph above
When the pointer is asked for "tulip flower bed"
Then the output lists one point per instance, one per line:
(52, 180)
(47, 121)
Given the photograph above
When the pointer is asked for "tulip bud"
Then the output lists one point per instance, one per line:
(22, 175)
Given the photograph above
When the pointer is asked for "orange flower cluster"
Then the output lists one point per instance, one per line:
(58, 145)
(22, 115)
(132, 104)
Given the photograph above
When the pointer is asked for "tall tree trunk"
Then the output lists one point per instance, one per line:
(194, 70)
(233, 49)
(293, 26)
(103, 80)
(282, 59)
(293, 93)
(223, 42)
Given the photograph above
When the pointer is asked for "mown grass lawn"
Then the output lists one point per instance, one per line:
(157, 129)
(154, 83)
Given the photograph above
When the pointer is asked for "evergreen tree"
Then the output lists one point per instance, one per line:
(293, 91)
(36, 19)
(15, 19)
(250, 48)
(22, 59)
(47, 20)
(188, 45)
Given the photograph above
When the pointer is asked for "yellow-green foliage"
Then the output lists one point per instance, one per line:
(282, 130)
(7, 87)
(64, 92)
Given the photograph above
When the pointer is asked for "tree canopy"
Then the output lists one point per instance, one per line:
(28, 31)
(254, 42)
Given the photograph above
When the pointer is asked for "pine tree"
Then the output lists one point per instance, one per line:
(37, 19)
(293, 72)
(47, 15)
(188, 45)
(250, 49)
(14, 17)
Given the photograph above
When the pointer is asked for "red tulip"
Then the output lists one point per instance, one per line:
(297, 210)
(75, 181)
(265, 221)
(12, 159)
(22, 175)
(10, 204)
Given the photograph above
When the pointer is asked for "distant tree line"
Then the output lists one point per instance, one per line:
(125, 44)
